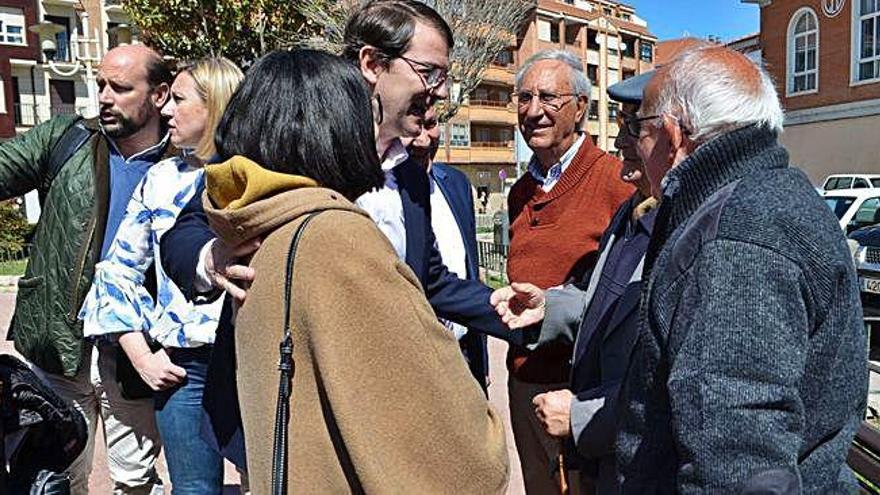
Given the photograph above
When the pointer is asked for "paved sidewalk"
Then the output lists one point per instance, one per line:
(100, 480)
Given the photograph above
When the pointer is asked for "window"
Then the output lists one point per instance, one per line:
(628, 47)
(62, 38)
(592, 41)
(593, 73)
(626, 17)
(838, 183)
(461, 135)
(866, 16)
(12, 26)
(628, 74)
(606, 10)
(875, 182)
(442, 139)
(548, 30)
(594, 110)
(2, 97)
(612, 111)
(572, 31)
(860, 184)
(839, 205)
(504, 58)
(803, 52)
(646, 51)
(867, 213)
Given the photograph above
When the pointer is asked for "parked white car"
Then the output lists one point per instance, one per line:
(851, 181)
(855, 208)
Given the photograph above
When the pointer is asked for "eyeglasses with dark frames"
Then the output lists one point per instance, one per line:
(431, 75)
(552, 101)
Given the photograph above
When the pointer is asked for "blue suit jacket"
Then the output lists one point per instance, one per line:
(456, 188)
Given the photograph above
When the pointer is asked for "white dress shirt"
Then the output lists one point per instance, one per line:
(384, 205)
(449, 243)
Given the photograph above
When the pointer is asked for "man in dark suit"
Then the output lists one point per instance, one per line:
(454, 226)
(600, 314)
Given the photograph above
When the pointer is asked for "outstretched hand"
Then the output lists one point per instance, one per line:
(519, 304)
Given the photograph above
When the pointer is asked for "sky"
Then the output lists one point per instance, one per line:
(727, 19)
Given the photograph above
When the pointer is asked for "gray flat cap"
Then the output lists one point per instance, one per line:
(631, 90)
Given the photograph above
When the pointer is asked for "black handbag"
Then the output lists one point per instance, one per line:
(286, 367)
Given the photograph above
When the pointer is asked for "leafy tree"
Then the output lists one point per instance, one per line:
(14, 228)
(241, 30)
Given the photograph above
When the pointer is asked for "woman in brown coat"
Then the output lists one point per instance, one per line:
(381, 400)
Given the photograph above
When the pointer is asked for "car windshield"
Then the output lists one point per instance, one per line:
(839, 204)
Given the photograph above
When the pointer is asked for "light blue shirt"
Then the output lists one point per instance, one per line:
(554, 173)
(117, 301)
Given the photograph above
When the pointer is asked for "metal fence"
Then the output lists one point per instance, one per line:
(493, 257)
(15, 254)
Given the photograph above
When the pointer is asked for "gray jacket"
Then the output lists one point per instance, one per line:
(752, 355)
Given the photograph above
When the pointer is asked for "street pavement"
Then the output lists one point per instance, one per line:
(99, 483)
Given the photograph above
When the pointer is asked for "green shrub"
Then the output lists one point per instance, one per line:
(14, 228)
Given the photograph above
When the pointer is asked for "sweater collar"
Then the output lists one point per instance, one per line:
(717, 163)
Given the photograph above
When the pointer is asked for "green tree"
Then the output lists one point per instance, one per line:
(240, 30)
(13, 227)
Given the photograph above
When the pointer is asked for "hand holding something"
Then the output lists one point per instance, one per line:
(224, 271)
(519, 305)
(157, 370)
(553, 410)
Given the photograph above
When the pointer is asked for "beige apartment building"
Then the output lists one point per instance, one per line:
(612, 42)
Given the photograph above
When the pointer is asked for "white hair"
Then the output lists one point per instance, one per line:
(709, 98)
(580, 84)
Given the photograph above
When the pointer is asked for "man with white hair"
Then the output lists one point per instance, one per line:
(558, 212)
(750, 372)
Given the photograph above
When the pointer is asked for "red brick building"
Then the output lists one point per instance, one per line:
(825, 58)
(16, 42)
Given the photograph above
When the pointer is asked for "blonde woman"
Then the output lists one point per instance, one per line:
(119, 307)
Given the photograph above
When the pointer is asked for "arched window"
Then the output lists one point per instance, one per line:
(803, 52)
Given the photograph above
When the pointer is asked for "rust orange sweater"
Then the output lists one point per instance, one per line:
(554, 238)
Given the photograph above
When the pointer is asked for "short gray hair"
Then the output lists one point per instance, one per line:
(580, 84)
(710, 99)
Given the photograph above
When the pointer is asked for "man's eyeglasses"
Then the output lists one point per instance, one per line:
(431, 75)
(633, 124)
(553, 101)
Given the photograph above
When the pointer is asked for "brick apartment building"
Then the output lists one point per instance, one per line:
(825, 58)
(612, 42)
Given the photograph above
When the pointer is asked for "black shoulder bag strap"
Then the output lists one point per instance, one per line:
(286, 367)
(70, 142)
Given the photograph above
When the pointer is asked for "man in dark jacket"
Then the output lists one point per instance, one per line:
(84, 201)
(750, 370)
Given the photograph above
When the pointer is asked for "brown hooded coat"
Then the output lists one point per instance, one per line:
(382, 401)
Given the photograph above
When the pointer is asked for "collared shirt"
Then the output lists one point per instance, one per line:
(125, 174)
(449, 243)
(384, 205)
(549, 179)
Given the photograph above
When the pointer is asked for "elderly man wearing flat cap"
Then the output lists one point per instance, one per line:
(599, 314)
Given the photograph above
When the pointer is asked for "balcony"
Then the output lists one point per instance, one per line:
(492, 111)
(29, 115)
(500, 74)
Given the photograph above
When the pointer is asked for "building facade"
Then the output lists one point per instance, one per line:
(49, 51)
(613, 44)
(825, 58)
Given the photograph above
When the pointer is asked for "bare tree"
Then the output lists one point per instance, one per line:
(482, 29)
